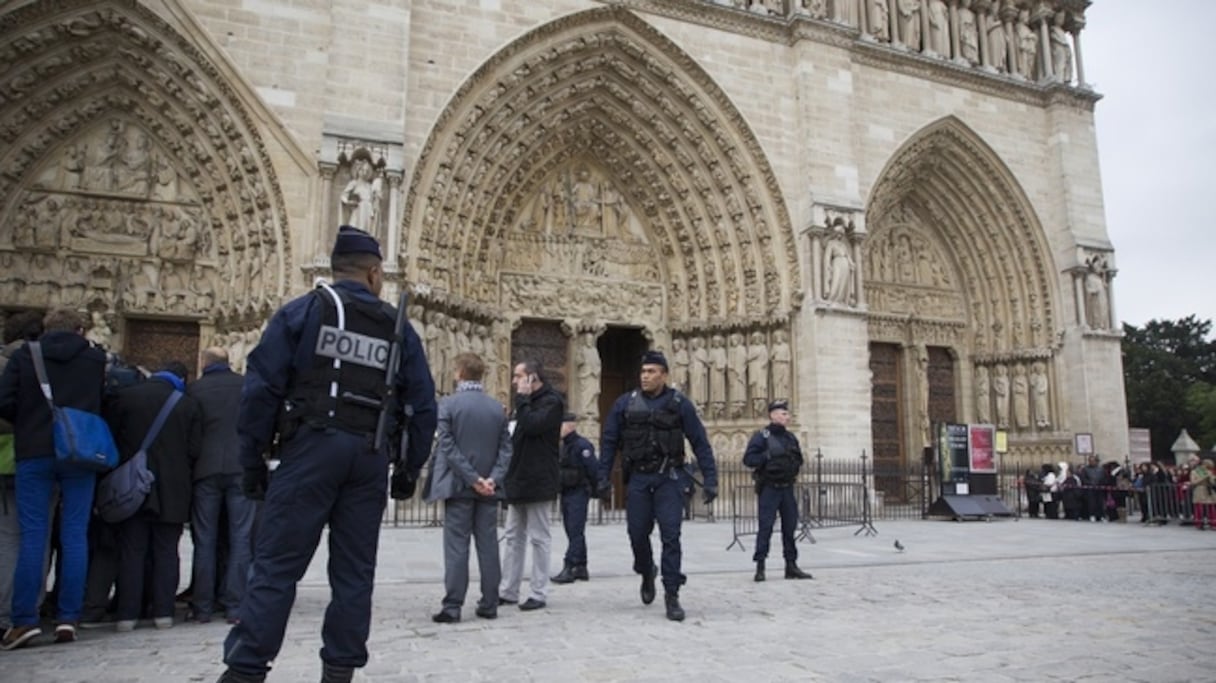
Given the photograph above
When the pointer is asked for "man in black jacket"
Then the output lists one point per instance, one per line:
(532, 484)
(217, 486)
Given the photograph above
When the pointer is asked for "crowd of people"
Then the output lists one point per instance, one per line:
(1157, 492)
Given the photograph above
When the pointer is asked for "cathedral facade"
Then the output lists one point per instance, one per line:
(887, 211)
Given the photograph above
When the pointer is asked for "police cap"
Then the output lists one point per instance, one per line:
(352, 240)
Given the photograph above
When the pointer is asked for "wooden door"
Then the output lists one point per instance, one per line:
(885, 414)
(151, 344)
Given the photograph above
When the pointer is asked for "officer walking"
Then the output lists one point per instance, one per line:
(648, 426)
(579, 472)
(317, 377)
(775, 458)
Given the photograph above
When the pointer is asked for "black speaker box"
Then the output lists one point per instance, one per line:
(969, 506)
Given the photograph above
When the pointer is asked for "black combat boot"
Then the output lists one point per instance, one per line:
(331, 673)
(566, 575)
(759, 571)
(674, 611)
(793, 572)
(648, 585)
(231, 676)
(580, 572)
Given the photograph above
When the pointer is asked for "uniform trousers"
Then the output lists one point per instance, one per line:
(526, 523)
(574, 519)
(774, 500)
(325, 477)
(650, 498)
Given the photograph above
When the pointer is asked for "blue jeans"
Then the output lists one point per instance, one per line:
(210, 495)
(36, 479)
(10, 545)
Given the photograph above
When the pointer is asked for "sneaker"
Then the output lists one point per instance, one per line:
(65, 633)
(163, 623)
(124, 625)
(17, 636)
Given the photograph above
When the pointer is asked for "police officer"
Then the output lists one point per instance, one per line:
(579, 473)
(648, 426)
(775, 458)
(317, 378)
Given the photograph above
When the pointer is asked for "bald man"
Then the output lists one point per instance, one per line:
(217, 485)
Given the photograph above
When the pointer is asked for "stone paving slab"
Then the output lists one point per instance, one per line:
(1027, 600)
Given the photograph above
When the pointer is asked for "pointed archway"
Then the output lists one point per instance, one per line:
(133, 179)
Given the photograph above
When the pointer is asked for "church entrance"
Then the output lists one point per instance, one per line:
(621, 350)
(152, 343)
(543, 341)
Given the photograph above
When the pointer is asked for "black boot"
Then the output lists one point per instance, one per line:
(759, 571)
(336, 674)
(793, 572)
(580, 572)
(674, 611)
(566, 575)
(648, 585)
(231, 676)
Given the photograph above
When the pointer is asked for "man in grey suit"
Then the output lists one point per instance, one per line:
(472, 450)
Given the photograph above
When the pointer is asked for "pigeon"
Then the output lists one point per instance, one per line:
(899, 546)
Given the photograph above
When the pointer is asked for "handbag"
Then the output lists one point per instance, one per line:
(82, 439)
(121, 493)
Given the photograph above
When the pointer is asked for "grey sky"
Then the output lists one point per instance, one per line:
(1156, 125)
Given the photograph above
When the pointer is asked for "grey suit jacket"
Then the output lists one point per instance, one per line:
(471, 441)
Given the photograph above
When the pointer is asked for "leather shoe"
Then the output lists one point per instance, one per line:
(580, 572)
(531, 604)
(487, 612)
(445, 617)
(793, 572)
(759, 571)
(565, 576)
(674, 611)
(504, 601)
(648, 585)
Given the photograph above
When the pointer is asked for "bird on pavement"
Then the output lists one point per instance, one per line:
(899, 546)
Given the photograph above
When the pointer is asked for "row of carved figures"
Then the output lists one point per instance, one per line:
(998, 35)
(1022, 387)
(444, 335)
(732, 375)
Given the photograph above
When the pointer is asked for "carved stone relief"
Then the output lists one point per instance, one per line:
(725, 370)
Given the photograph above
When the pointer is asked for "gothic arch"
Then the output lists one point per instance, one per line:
(604, 85)
(123, 148)
(982, 228)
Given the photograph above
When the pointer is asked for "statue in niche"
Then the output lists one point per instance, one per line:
(1061, 49)
(1097, 310)
(939, 28)
(736, 375)
(757, 374)
(909, 23)
(1000, 392)
(968, 34)
(463, 343)
(100, 332)
(585, 199)
(816, 9)
(1038, 388)
(588, 367)
(1021, 397)
(838, 271)
(699, 366)
(680, 364)
(922, 396)
(880, 20)
(361, 197)
(717, 376)
(73, 165)
(1028, 45)
(779, 360)
(998, 46)
(983, 399)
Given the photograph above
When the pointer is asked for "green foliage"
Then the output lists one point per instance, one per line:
(1169, 374)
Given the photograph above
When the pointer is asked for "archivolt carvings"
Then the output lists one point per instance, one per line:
(613, 124)
(125, 139)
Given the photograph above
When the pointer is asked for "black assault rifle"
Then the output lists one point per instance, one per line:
(402, 483)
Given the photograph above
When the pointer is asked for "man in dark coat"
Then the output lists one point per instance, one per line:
(532, 484)
(76, 373)
(153, 532)
(217, 486)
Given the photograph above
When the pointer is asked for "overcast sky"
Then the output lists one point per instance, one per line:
(1153, 62)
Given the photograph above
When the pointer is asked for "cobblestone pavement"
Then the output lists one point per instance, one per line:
(1027, 600)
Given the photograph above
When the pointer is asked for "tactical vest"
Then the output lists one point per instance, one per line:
(344, 385)
(572, 471)
(783, 462)
(653, 440)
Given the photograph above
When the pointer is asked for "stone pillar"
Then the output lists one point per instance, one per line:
(392, 229)
(924, 28)
(893, 21)
(1043, 14)
(858, 240)
(328, 224)
(954, 49)
(1075, 26)
(1009, 14)
(980, 9)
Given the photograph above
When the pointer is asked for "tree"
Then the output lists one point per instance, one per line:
(1169, 375)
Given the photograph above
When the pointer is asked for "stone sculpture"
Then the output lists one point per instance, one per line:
(361, 197)
(717, 377)
(757, 374)
(1038, 387)
(838, 271)
(736, 375)
(779, 361)
(983, 398)
(1061, 50)
(1000, 392)
(698, 389)
(589, 367)
(939, 28)
(1021, 398)
(909, 23)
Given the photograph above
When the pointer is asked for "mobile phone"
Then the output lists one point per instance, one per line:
(532, 378)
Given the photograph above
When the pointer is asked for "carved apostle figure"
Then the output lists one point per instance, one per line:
(880, 26)
(779, 360)
(968, 34)
(922, 379)
(100, 332)
(1038, 388)
(1000, 392)
(736, 375)
(699, 368)
(588, 367)
(909, 23)
(817, 9)
(717, 376)
(1021, 398)
(998, 45)
(436, 348)
(983, 398)
(845, 12)
(939, 28)
(1097, 311)
(362, 195)
(73, 165)
(1061, 50)
(1028, 45)
(680, 365)
(838, 271)
(585, 198)
(757, 374)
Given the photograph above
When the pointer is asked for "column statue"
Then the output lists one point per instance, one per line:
(909, 23)
(736, 375)
(1097, 311)
(838, 271)
(699, 364)
(717, 377)
(757, 374)
(1038, 387)
(680, 364)
(1028, 46)
(998, 50)
(588, 367)
(779, 360)
(880, 20)
(922, 379)
(983, 398)
(968, 34)
(1061, 50)
(939, 28)
(1000, 391)
(1021, 398)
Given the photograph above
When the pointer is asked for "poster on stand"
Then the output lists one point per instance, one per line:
(981, 440)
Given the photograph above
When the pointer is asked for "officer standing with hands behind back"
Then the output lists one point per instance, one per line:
(579, 472)
(648, 427)
(775, 457)
(318, 379)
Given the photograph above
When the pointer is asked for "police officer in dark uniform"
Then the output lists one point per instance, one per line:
(648, 426)
(775, 457)
(317, 378)
(579, 473)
